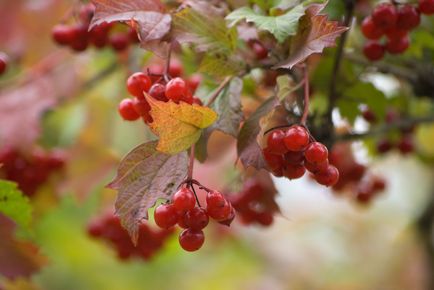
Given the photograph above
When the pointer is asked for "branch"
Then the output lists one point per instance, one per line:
(306, 95)
(217, 92)
(191, 164)
(380, 130)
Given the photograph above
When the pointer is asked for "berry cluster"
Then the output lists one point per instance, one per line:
(185, 211)
(156, 85)
(3, 62)
(289, 153)
(78, 37)
(108, 227)
(31, 170)
(393, 21)
(354, 176)
(254, 204)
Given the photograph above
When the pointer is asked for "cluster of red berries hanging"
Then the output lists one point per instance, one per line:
(254, 204)
(108, 227)
(394, 21)
(78, 37)
(185, 211)
(290, 152)
(363, 186)
(30, 170)
(157, 85)
(3, 62)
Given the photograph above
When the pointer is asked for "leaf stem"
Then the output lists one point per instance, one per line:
(217, 92)
(306, 96)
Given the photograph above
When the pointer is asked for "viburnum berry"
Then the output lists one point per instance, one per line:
(184, 200)
(119, 41)
(274, 161)
(373, 50)
(98, 35)
(80, 40)
(294, 171)
(176, 89)
(261, 52)
(197, 101)
(405, 145)
(196, 218)
(62, 34)
(127, 111)
(328, 177)
(143, 108)
(133, 36)
(158, 92)
(297, 138)
(165, 216)
(370, 30)
(3, 62)
(396, 46)
(193, 82)
(175, 68)
(369, 115)
(275, 142)
(294, 157)
(384, 146)
(191, 240)
(316, 167)
(408, 17)
(138, 83)
(426, 7)
(385, 16)
(316, 153)
(265, 218)
(396, 33)
(219, 213)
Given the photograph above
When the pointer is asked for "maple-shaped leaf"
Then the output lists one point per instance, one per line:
(280, 26)
(248, 148)
(144, 176)
(315, 33)
(178, 125)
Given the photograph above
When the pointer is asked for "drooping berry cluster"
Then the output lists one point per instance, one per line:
(156, 85)
(354, 177)
(108, 227)
(189, 215)
(78, 37)
(254, 204)
(394, 21)
(4, 60)
(29, 170)
(290, 152)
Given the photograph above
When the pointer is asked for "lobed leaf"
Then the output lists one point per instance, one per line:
(14, 204)
(220, 65)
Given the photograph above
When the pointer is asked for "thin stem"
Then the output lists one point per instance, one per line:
(167, 67)
(217, 92)
(195, 195)
(191, 164)
(306, 96)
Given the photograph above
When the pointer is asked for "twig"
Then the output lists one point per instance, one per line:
(167, 67)
(217, 92)
(306, 95)
(191, 164)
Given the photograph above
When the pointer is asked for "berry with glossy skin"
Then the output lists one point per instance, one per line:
(184, 200)
(294, 157)
(396, 33)
(369, 116)
(316, 153)
(314, 168)
(62, 34)
(370, 30)
(373, 50)
(275, 142)
(175, 68)
(405, 145)
(261, 52)
(408, 17)
(328, 177)
(265, 218)
(165, 216)
(196, 218)
(127, 111)
(143, 108)
(158, 92)
(138, 83)
(426, 7)
(119, 41)
(98, 36)
(274, 161)
(294, 171)
(397, 46)
(176, 89)
(133, 36)
(215, 199)
(193, 82)
(219, 213)
(385, 16)
(191, 240)
(80, 39)
(3, 63)
(297, 138)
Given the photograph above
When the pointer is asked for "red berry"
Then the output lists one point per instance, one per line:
(219, 213)
(197, 101)
(63, 34)
(297, 138)
(184, 200)
(95, 229)
(175, 68)
(196, 218)
(165, 216)
(316, 153)
(426, 7)
(119, 41)
(133, 36)
(385, 16)
(328, 177)
(373, 50)
(229, 220)
(158, 92)
(127, 111)
(408, 17)
(138, 83)
(405, 145)
(176, 89)
(215, 199)
(191, 240)
(143, 108)
(294, 171)
(193, 82)
(369, 116)
(79, 41)
(384, 145)
(396, 46)
(98, 36)
(379, 184)
(182, 221)
(260, 51)
(275, 142)
(364, 194)
(3, 62)
(294, 157)
(86, 13)
(265, 218)
(395, 33)
(274, 161)
(314, 168)
(370, 30)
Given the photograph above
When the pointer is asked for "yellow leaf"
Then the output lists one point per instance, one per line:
(178, 125)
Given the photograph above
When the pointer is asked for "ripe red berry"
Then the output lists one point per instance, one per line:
(297, 138)
(215, 199)
(384, 146)
(294, 171)
(379, 184)
(98, 36)
(328, 177)
(127, 111)
(175, 68)
(396, 33)
(408, 17)
(275, 142)
(133, 36)
(426, 7)
(294, 157)
(265, 218)
(196, 218)
(86, 13)
(176, 89)
(316, 153)
(373, 50)
(385, 16)
(193, 82)
(165, 216)
(158, 92)
(143, 108)
(197, 101)
(191, 240)
(369, 115)
(62, 34)
(396, 46)
(138, 83)
(370, 30)
(405, 145)
(119, 41)
(219, 213)
(274, 161)
(261, 52)
(184, 200)
(229, 220)
(314, 168)
(3, 63)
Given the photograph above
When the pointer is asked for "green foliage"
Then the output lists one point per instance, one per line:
(14, 204)
(218, 65)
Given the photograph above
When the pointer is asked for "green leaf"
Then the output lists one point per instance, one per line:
(14, 204)
(367, 93)
(280, 26)
(220, 65)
